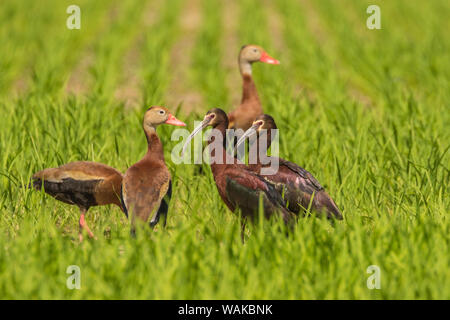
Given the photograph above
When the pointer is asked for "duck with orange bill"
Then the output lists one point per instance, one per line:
(146, 186)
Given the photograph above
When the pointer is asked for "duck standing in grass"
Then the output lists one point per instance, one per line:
(143, 187)
(250, 107)
(301, 190)
(146, 185)
(84, 184)
(238, 186)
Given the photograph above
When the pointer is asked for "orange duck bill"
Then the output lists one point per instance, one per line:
(268, 59)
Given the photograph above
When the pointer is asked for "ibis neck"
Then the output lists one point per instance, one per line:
(218, 145)
(258, 149)
(249, 92)
(254, 154)
(155, 148)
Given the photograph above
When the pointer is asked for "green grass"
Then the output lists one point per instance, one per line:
(367, 112)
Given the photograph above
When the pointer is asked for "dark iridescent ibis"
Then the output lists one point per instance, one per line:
(146, 185)
(250, 107)
(84, 184)
(237, 185)
(300, 187)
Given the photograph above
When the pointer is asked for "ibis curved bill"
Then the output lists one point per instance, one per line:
(196, 130)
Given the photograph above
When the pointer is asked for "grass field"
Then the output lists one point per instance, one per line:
(366, 111)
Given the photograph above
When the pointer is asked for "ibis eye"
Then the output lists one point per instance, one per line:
(161, 112)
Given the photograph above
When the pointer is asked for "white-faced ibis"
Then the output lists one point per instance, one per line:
(301, 189)
(82, 183)
(250, 107)
(238, 186)
(146, 186)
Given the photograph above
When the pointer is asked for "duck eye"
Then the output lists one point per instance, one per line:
(255, 50)
(161, 112)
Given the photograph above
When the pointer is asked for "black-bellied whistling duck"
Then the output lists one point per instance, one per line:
(300, 186)
(146, 185)
(238, 187)
(82, 183)
(250, 107)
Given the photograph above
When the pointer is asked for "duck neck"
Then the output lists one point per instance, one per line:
(249, 92)
(155, 148)
(245, 67)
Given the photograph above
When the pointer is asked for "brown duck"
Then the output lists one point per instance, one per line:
(300, 188)
(84, 184)
(238, 186)
(250, 107)
(146, 185)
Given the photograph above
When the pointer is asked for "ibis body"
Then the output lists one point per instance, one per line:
(301, 189)
(238, 186)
